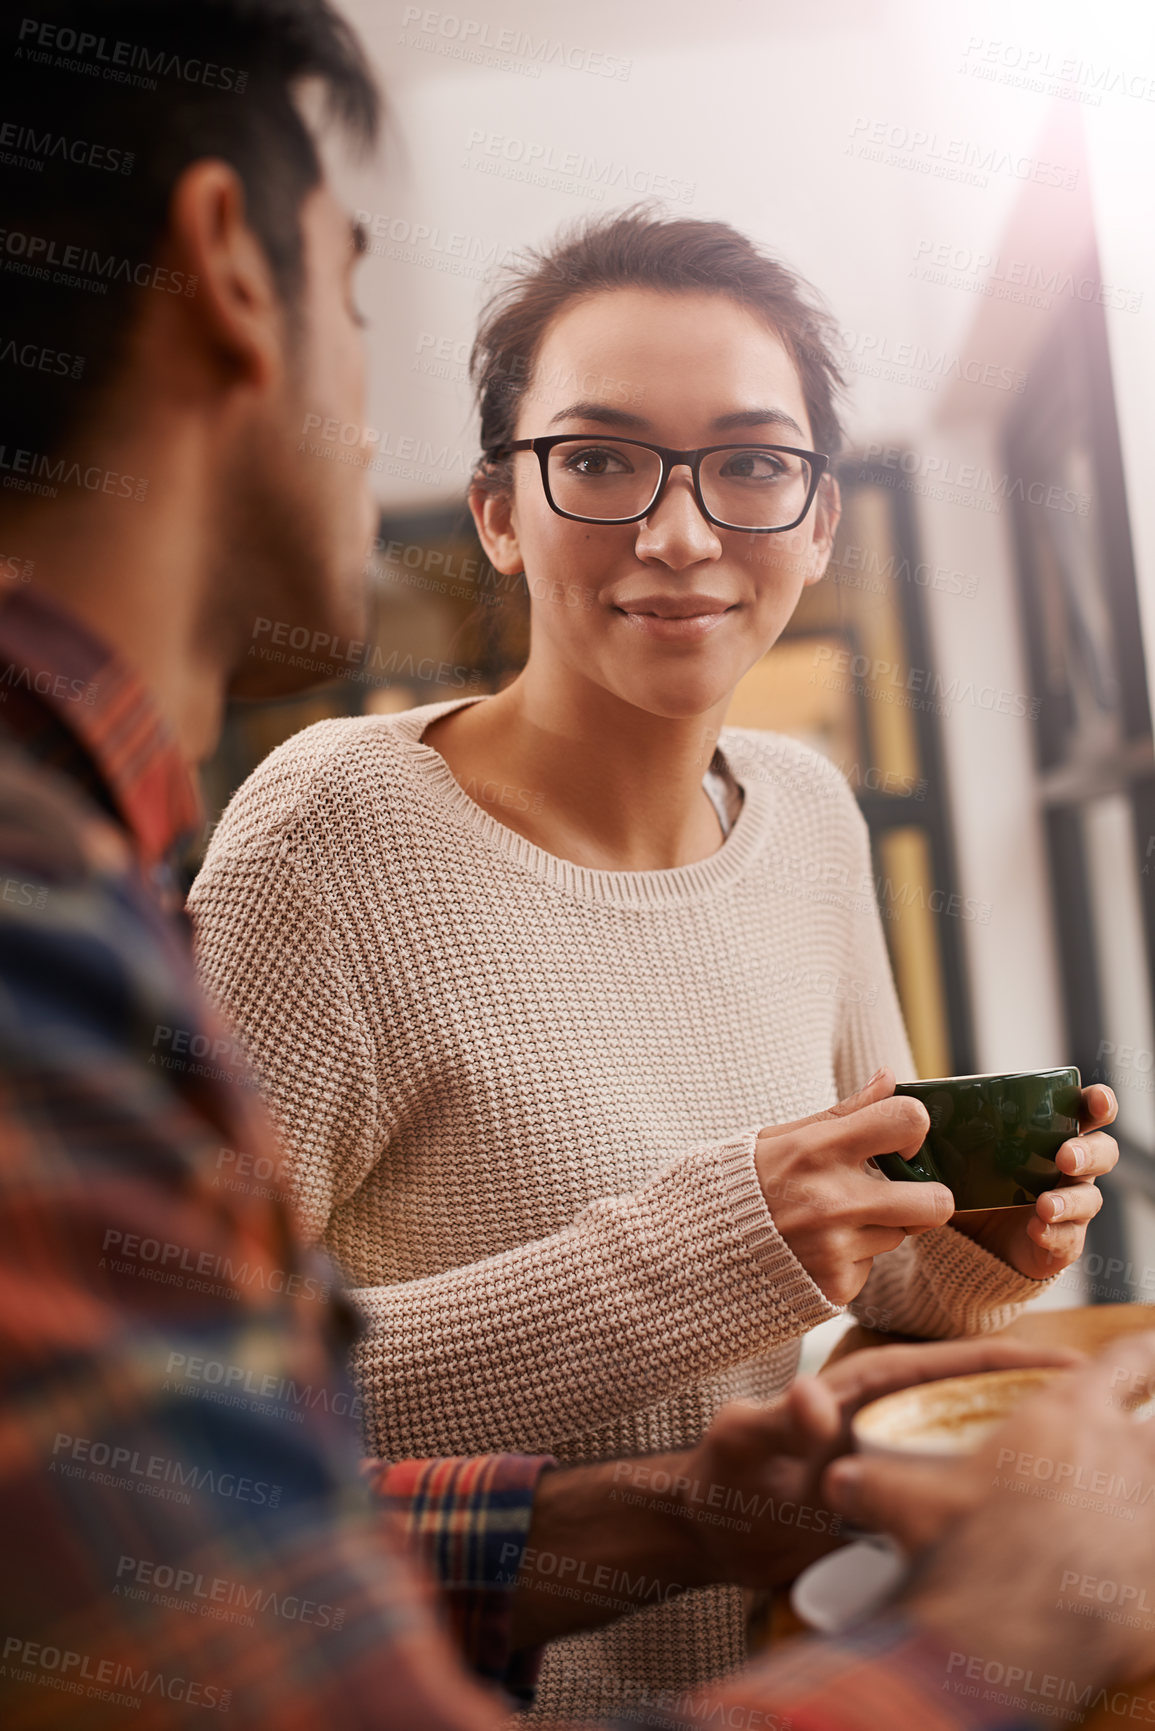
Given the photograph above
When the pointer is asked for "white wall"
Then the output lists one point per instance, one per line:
(757, 114)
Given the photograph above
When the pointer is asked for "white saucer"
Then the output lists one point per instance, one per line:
(848, 1584)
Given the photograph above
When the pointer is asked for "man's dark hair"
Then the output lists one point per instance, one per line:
(103, 105)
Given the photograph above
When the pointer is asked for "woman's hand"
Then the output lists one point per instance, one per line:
(1042, 1244)
(836, 1212)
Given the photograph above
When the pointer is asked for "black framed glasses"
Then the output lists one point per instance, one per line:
(761, 489)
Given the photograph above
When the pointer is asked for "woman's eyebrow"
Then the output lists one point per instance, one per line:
(607, 416)
(603, 412)
(757, 418)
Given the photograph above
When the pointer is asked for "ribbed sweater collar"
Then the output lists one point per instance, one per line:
(433, 778)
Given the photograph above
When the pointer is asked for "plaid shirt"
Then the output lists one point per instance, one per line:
(183, 1530)
(172, 1353)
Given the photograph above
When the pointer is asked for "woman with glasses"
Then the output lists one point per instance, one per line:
(557, 1063)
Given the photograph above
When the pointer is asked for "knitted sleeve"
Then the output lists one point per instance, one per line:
(639, 1296)
(939, 1284)
(643, 1294)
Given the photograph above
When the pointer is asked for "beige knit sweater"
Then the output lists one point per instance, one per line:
(520, 1099)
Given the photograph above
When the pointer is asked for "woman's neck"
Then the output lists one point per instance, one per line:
(586, 776)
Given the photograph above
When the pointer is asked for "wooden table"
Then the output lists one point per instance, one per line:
(1088, 1328)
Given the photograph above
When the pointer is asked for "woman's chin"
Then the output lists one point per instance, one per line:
(684, 700)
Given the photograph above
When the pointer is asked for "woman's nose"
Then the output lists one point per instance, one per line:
(675, 533)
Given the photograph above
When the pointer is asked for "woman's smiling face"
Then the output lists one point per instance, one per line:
(668, 613)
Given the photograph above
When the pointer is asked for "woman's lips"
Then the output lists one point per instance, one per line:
(675, 627)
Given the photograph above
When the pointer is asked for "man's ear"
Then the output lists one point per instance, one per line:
(234, 300)
(493, 515)
(827, 513)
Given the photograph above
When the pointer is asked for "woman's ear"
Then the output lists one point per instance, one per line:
(827, 512)
(493, 516)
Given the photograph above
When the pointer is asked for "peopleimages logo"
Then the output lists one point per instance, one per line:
(971, 478)
(1028, 67)
(83, 267)
(482, 43)
(126, 1468)
(433, 248)
(920, 688)
(875, 573)
(18, 676)
(446, 357)
(238, 1380)
(109, 1680)
(118, 61)
(37, 358)
(543, 164)
(876, 355)
(130, 1253)
(14, 569)
(36, 472)
(1020, 280)
(367, 662)
(39, 146)
(928, 152)
(216, 1596)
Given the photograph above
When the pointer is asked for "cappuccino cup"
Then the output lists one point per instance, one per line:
(936, 1420)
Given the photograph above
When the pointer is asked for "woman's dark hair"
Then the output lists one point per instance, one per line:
(639, 249)
(104, 104)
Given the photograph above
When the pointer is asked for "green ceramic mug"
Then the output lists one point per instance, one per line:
(992, 1139)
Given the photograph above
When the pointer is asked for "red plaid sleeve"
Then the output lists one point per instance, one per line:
(469, 1519)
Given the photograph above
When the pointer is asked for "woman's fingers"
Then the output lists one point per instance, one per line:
(1089, 1156)
(894, 1125)
(880, 1085)
(906, 1208)
(1074, 1205)
(834, 1216)
(1061, 1245)
(1097, 1106)
(1059, 1224)
(872, 1241)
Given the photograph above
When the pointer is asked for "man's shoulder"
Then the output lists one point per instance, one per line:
(50, 833)
(85, 950)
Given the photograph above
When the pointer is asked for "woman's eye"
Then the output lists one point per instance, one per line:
(754, 466)
(594, 462)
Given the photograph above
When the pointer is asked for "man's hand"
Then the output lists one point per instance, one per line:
(1014, 1578)
(1042, 1244)
(915, 1502)
(744, 1506)
(836, 1212)
(767, 1463)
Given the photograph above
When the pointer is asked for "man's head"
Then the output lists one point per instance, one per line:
(168, 229)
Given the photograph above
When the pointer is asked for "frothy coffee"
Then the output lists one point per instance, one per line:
(952, 1417)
